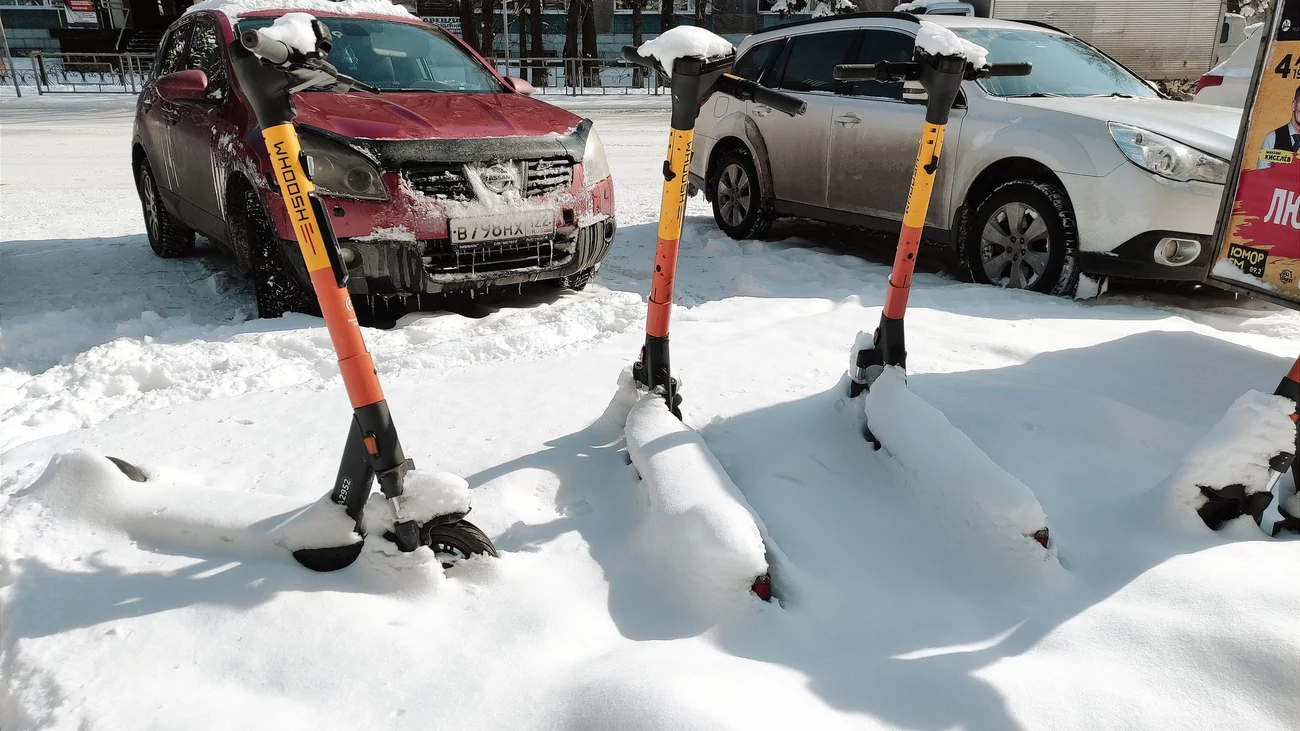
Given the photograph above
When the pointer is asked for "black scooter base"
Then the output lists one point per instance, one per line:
(329, 559)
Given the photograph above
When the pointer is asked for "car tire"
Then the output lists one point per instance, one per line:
(274, 285)
(168, 237)
(739, 206)
(1023, 236)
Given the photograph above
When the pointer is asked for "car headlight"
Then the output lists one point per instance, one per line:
(595, 167)
(340, 171)
(1165, 157)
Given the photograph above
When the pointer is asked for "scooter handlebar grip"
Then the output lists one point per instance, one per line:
(855, 72)
(269, 49)
(746, 89)
(630, 55)
(1016, 68)
(778, 101)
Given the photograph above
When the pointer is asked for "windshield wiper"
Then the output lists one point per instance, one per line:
(1119, 94)
(1032, 94)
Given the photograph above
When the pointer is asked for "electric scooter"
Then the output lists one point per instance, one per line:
(270, 72)
(694, 79)
(941, 77)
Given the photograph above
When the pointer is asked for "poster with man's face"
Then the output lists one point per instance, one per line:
(1259, 232)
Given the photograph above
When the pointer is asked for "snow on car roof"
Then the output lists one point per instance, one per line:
(235, 8)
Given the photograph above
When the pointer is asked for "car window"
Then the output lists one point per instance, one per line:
(1062, 65)
(172, 56)
(205, 55)
(813, 58)
(396, 56)
(882, 45)
(752, 62)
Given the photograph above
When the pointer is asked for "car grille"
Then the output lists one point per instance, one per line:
(547, 176)
(440, 180)
(449, 182)
(440, 257)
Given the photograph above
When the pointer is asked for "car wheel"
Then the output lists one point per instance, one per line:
(276, 288)
(739, 207)
(1023, 236)
(168, 237)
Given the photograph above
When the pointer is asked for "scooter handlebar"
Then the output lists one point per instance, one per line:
(911, 71)
(269, 49)
(1016, 68)
(630, 55)
(747, 90)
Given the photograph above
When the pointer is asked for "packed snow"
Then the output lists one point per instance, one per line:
(937, 40)
(235, 8)
(697, 524)
(294, 30)
(684, 41)
(170, 603)
(970, 497)
(1235, 451)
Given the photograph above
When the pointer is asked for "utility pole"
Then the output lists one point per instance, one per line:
(505, 30)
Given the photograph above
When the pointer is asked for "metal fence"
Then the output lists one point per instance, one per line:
(582, 76)
(66, 73)
(125, 73)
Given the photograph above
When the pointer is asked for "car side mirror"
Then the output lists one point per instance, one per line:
(914, 93)
(191, 84)
(520, 86)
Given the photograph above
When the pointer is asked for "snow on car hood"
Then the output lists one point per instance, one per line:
(1207, 128)
(431, 115)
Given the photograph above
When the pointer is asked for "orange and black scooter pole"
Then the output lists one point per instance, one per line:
(693, 80)
(941, 77)
(269, 72)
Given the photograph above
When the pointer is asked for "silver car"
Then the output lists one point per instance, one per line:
(1079, 167)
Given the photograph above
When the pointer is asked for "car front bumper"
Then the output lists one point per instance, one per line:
(401, 267)
(403, 247)
(1124, 217)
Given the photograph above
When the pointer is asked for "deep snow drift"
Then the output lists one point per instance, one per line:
(168, 604)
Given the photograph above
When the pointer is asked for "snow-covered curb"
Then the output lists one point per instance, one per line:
(696, 518)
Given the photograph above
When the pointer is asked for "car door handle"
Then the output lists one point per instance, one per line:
(845, 120)
(147, 102)
(762, 110)
(171, 115)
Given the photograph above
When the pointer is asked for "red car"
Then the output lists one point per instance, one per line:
(452, 177)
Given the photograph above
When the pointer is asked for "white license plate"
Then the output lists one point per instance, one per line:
(506, 227)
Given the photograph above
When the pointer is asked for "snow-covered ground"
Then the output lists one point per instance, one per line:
(166, 604)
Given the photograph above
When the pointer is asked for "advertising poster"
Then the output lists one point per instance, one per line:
(1258, 231)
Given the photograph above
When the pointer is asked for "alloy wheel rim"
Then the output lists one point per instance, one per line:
(150, 203)
(1015, 246)
(735, 194)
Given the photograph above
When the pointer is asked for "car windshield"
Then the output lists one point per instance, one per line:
(1063, 66)
(400, 56)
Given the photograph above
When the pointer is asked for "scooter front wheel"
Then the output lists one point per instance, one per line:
(452, 542)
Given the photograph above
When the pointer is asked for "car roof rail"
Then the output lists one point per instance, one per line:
(847, 16)
(1038, 23)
